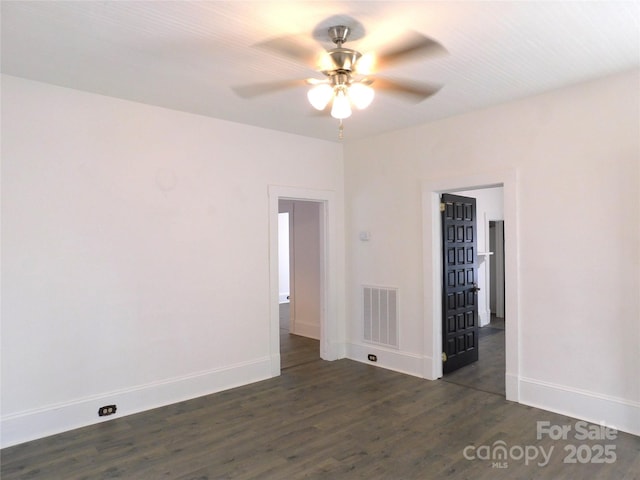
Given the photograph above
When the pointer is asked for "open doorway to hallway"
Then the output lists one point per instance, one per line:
(331, 272)
(488, 372)
(300, 246)
(433, 265)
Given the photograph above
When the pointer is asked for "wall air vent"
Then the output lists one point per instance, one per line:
(380, 312)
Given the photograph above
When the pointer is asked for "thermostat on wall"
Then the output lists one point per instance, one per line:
(365, 236)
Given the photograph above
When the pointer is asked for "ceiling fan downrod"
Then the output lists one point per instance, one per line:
(343, 59)
(339, 34)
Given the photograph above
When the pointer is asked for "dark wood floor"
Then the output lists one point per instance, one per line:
(331, 420)
(487, 374)
(295, 349)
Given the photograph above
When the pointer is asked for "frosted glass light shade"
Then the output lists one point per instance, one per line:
(341, 107)
(320, 96)
(361, 95)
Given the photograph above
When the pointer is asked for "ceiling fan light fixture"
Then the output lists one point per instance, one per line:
(361, 95)
(366, 64)
(347, 81)
(326, 63)
(320, 95)
(341, 106)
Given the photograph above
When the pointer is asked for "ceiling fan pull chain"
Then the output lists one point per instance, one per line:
(340, 131)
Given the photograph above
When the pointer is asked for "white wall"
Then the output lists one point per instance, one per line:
(489, 206)
(576, 153)
(135, 245)
(283, 257)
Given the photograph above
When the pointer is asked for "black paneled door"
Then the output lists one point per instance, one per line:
(460, 290)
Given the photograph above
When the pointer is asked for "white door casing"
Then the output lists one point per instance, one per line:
(432, 269)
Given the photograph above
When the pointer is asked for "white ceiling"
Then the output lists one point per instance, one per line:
(187, 55)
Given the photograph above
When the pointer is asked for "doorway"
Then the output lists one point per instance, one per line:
(331, 343)
(469, 320)
(432, 244)
(299, 270)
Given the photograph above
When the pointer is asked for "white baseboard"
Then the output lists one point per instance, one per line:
(275, 365)
(395, 360)
(333, 351)
(33, 424)
(307, 330)
(512, 387)
(429, 370)
(623, 415)
(485, 317)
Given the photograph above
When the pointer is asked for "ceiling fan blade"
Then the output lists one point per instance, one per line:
(257, 89)
(296, 47)
(410, 90)
(413, 45)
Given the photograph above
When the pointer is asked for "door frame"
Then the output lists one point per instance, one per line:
(329, 316)
(432, 269)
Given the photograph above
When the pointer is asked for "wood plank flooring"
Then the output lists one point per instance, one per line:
(487, 374)
(321, 419)
(318, 420)
(294, 349)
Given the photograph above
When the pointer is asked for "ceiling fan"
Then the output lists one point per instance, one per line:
(348, 79)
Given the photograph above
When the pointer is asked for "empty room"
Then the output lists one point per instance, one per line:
(282, 240)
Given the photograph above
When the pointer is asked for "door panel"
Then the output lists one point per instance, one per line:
(460, 306)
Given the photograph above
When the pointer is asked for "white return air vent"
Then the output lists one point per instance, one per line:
(380, 311)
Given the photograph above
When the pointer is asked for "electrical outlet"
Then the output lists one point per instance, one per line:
(372, 357)
(107, 410)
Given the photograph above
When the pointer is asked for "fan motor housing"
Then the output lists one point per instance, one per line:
(344, 60)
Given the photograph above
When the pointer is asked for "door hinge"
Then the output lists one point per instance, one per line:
(444, 357)
(442, 207)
